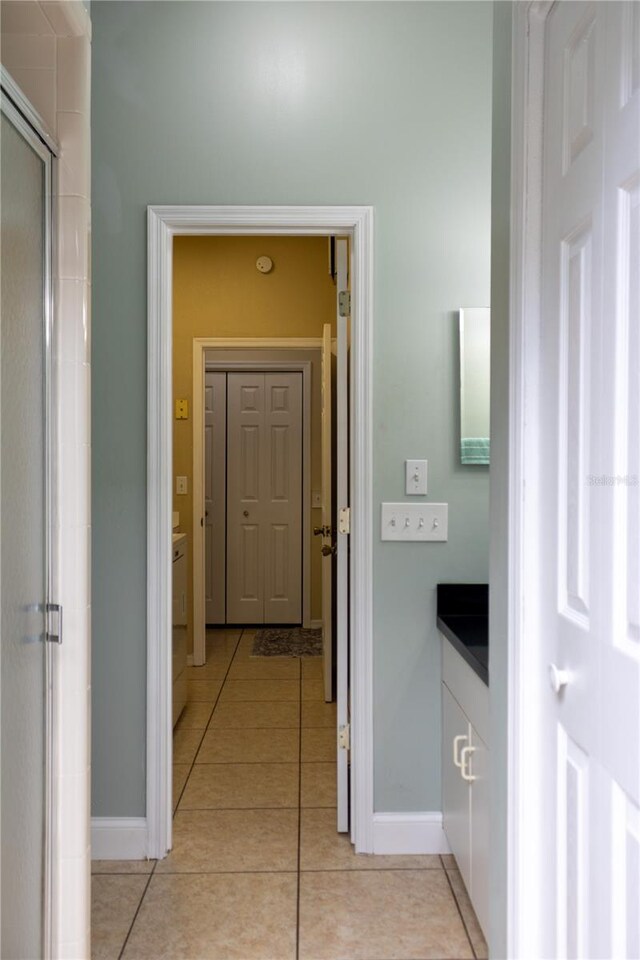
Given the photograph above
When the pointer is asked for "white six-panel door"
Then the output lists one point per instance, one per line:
(590, 575)
(264, 497)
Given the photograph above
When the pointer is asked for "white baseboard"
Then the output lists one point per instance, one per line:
(118, 838)
(399, 833)
(315, 625)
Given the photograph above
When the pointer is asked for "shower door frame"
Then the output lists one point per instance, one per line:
(29, 125)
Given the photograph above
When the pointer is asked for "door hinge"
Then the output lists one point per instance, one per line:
(50, 636)
(344, 520)
(344, 736)
(344, 303)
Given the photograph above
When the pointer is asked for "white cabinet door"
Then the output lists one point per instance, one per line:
(478, 767)
(456, 796)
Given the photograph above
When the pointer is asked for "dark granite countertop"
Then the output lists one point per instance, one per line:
(463, 617)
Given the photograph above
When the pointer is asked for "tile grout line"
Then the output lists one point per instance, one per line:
(204, 732)
(138, 908)
(299, 808)
(455, 900)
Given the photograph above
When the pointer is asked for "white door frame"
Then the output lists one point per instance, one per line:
(201, 366)
(526, 669)
(163, 223)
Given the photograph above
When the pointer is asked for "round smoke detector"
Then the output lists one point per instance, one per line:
(264, 264)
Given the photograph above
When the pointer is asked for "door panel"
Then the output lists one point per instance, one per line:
(215, 443)
(283, 471)
(264, 498)
(590, 429)
(25, 656)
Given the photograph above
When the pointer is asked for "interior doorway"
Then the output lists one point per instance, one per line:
(353, 730)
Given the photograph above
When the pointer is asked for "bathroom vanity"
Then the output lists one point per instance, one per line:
(463, 614)
(179, 620)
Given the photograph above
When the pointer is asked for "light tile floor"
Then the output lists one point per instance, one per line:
(257, 870)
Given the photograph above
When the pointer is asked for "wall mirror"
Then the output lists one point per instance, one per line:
(475, 332)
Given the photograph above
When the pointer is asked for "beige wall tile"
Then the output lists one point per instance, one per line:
(73, 76)
(28, 52)
(39, 86)
(74, 171)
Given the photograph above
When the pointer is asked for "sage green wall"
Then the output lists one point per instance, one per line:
(383, 103)
(499, 565)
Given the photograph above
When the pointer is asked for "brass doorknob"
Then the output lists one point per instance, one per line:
(327, 550)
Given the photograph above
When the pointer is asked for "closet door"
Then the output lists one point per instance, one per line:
(245, 497)
(264, 498)
(282, 535)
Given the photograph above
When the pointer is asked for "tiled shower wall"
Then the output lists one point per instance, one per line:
(46, 49)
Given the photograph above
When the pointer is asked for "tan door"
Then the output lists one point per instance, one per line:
(264, 498)
(327, 517)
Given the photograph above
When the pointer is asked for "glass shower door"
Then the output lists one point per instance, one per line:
(25, 170)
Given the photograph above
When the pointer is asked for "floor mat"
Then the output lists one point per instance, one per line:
(287, 642)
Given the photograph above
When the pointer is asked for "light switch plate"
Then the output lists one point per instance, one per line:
(415, 477)
(414, 521)
(181, 486)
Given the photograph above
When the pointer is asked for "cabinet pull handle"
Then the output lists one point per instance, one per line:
(456, 743)
(464, 753)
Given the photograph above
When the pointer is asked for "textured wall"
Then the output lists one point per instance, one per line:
(387, 104)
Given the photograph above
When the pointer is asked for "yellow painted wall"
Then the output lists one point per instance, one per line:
(218, 292)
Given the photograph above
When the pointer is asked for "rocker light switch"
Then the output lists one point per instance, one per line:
(414, 521)
(416, 477)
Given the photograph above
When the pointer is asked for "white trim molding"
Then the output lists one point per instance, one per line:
(402, 833)
(163, 223)
(526, 748)
(118, 838)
